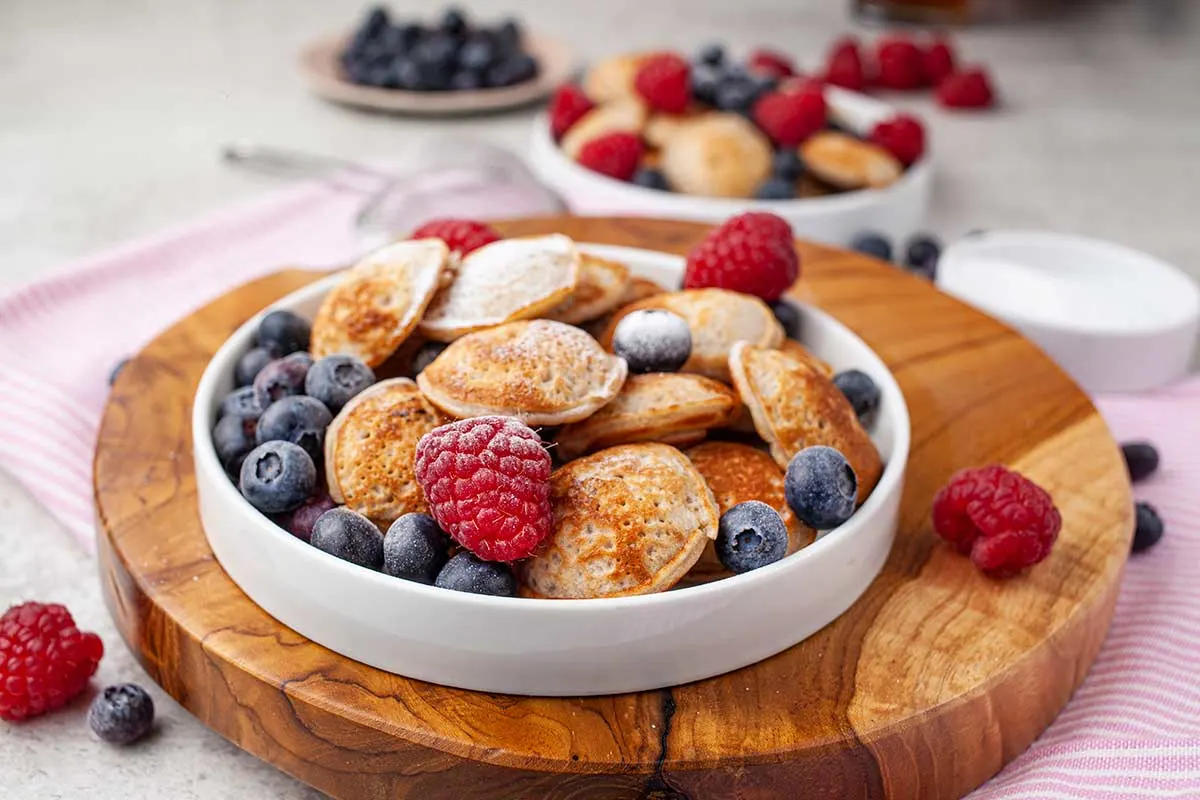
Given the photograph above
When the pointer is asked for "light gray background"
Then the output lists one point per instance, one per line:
(112, 114)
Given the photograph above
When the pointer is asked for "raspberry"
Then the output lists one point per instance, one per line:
(844, 65)
(790, 118)
(1003, 520)
(615, 154)
(903, 136)
(770, 62)
(461, 235)
(664, 81)
(937, 61)
(44, 660)
(752, 253)
(487, 481)
(900, 65)
(969, 89)
(567, 106)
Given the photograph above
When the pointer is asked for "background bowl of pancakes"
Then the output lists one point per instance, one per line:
(565, 647)
(896, 210)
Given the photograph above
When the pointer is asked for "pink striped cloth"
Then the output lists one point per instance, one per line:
(1133, 729)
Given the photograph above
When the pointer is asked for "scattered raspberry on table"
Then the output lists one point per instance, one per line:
(968, 89)
(461, 235)
(1001, 519)
(487, 482)
(45, 661)
(844, 65)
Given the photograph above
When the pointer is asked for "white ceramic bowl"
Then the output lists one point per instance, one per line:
(553, 647)
(896, 211)
(1115, 319)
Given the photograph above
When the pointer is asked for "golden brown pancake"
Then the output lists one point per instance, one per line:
(612, 78)
(657, 407)
(627, 115)
(601, 286)
(540, 371)
(718, 154)
(369, 450)
(716, 318)
(628, 520)
(795, 405)
(849, 163)
(802, 353)
(379, 301)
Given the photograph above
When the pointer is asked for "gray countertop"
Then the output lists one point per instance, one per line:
(112, 115)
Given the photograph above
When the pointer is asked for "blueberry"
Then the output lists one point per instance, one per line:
(299, 420)
(415, 548)
(233, 438)
(1149, 527)
(860, 390)
(775, 188)
(299, 521)
(335, 379)
(821, 487)
(277, 477)
(121, 714)
(750, 535)
(652, 340)
(350, 536)
(406, 74)
(1141, 458)
(789, 317)
(116, 370)
(512, 70)
(873, 244)
(705, 80)
(391, 39)
(712, 54)
(454, 22)
(736, 95)
(376, 19)
(651, 179)
(437, 49)
(466, 80)
(467, 573)
(240, 403)
(282, 332)
(921, 255)
(477, 53)
(425, 355)
(788, 165)
(509, 36)
(250, 364)
(281, 378)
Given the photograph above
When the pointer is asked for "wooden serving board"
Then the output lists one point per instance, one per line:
(926, 687)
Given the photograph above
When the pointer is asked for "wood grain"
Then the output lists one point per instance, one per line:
(926, 687)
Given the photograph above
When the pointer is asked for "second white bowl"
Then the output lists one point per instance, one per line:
(553, 647)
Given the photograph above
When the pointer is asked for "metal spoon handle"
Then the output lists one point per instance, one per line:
(277, 160)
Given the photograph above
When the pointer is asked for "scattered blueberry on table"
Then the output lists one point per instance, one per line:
(1141, 458)
(652, 340)
(750, 535)
(872, 244)
(1148, 528)
(860, 390)
(121, 714)
(450, 55)
(415, 548)
(466, 572)
(921, 255)
(821, 487)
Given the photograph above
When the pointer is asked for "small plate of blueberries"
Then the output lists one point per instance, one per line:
(448, 65)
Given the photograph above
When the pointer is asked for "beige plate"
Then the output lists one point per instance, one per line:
(321, 70)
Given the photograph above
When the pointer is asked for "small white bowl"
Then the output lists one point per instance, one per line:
(896, 211)
(553, 647)
(1115, 319)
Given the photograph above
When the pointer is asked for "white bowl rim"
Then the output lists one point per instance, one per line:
(674, 201)
(1185, 293)
(202, 421)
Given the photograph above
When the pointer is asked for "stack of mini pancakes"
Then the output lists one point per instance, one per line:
(645, 464)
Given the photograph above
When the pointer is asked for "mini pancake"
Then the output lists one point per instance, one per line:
(795, 405)
(638, 288)
(716, 318)
(628, 520)
(802, 353)
(627, 115)
(671, 407)
(380, 300)
(370, 446)
(540, 371)
(849, 163)
(737, 473)
(612, 78)
(600, 289)
(504, 281)
(718, 154)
